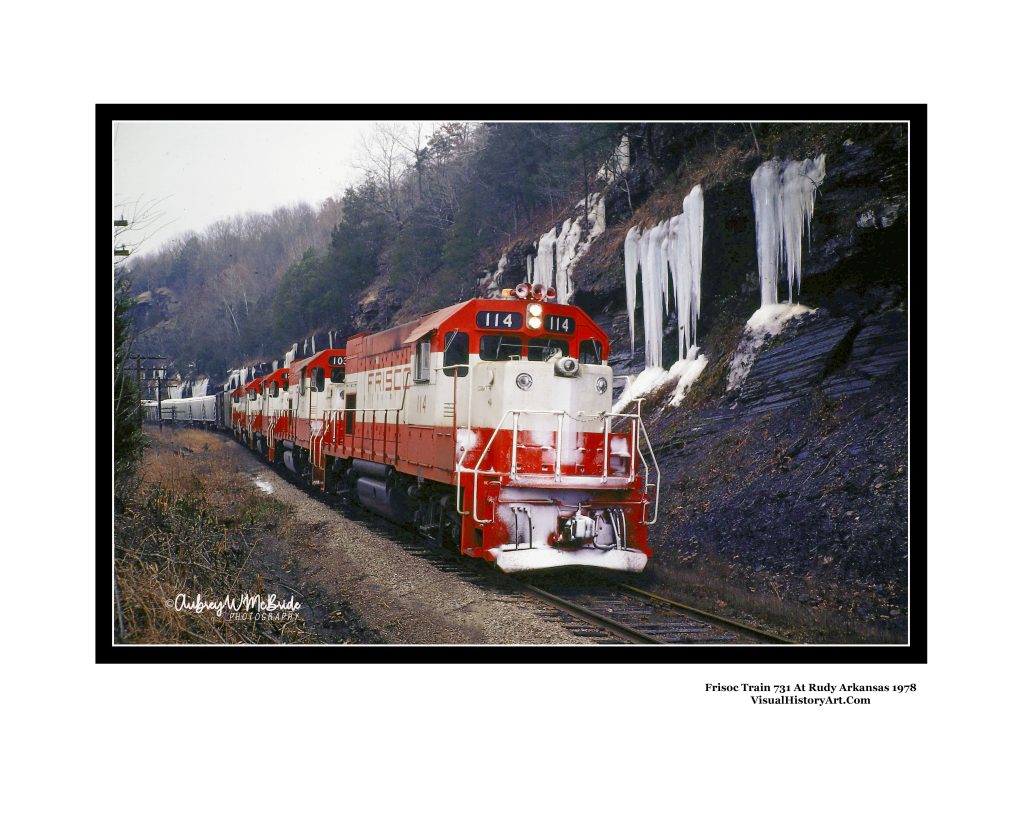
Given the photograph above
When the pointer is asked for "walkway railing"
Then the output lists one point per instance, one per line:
(637, 428)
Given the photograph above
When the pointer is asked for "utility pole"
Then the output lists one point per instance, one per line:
(122, 250)
(159, 373)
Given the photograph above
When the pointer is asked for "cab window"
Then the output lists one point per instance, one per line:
(422, 360)
(338, 375)
(541, 349)
(252, 395)
(274, 390)
(500, 348)
(303, 381)
(317, 375)
(591, 351)
(456, 354)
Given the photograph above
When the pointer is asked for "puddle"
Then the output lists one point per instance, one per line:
(263, 485)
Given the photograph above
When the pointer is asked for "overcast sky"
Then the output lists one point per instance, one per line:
(205, 171)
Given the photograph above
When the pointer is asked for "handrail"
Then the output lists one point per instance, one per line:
(636, 427)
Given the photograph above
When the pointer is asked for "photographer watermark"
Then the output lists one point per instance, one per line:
(245, 606)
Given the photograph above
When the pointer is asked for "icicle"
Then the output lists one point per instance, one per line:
(783, 207)
(800, 182)
(544, 269)
(529, 269)
(673, 247)
(632, 250)
(565, 253)
(687, 259)
(652, 282)
(663, 273)
(766, 188)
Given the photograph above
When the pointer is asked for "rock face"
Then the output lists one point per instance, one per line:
(795, 362)
(879, 350)
(799, 491)
(795, 484)
(858, 237)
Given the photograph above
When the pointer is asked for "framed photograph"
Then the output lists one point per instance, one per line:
(558, 384)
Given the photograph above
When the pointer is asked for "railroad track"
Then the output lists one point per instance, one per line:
(604, 611)
(619, 612)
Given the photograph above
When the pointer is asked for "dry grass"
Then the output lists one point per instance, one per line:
(713, 585)
(190, 529)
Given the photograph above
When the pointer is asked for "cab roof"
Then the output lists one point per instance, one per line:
(316, 360)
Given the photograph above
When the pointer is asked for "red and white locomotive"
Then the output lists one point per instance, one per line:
(487, 424)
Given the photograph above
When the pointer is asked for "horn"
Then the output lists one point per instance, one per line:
(522, 290)
(551, 294)
(538, 290)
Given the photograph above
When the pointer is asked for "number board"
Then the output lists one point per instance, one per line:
(337, 361)
(499, 320)
(560, 324)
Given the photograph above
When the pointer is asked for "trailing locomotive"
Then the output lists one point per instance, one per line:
(487, 425)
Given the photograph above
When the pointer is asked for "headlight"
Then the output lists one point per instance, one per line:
(602, 385)
(534, 322)
(535, 309)
(524, 381)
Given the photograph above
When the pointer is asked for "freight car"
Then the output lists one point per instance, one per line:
(487, 425)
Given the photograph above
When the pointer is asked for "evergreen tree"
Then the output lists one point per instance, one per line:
(129, 441)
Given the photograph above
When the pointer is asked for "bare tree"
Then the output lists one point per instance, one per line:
(385, 159)
(135, 221)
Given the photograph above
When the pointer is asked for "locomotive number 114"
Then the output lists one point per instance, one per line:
(560, 324)
(499, 320)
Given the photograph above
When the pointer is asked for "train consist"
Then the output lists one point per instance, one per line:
(487, 425)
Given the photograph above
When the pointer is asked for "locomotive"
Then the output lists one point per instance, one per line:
(487, 425)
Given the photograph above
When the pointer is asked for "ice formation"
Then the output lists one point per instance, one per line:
(565, 252)
(647, 381)
(670, 258)
(632, 250)
(544, 267)
(783, 206)
(783, 194)
(765, 323)
(559, 250)
(654, 283)
(199, 388)
(686, 371)
(673, 248)
(686, 238)
(492, 281)
(617, 163)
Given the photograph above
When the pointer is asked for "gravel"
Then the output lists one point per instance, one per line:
(403, 597)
